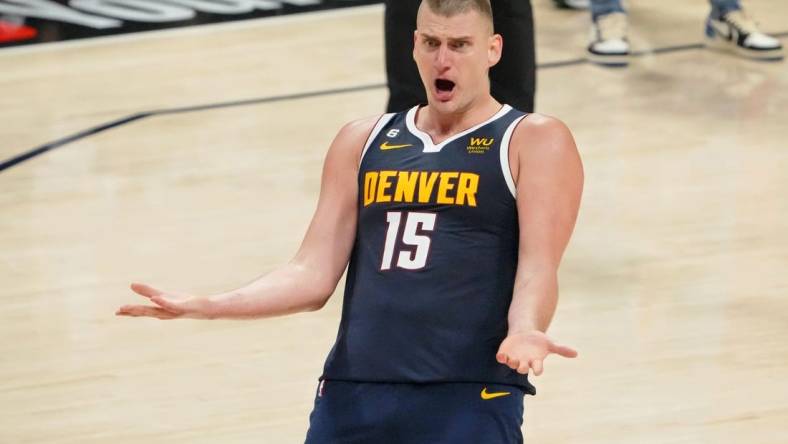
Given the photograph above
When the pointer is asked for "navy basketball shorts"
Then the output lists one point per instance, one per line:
(382, 413)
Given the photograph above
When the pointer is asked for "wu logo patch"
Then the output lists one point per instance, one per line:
(479, 145)
(392, 133)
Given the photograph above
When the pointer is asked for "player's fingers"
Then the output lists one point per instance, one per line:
(567, 352)
(166, 304)
(502, 358)
(134, 310)
(523, 368)
(513, 363)
(144, 311)
(164, 314)
(129, 310)
(144, 290)
(538, 366)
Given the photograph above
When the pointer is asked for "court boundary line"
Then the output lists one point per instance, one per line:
(35, 152)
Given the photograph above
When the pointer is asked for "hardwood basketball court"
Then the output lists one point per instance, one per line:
(673, 288)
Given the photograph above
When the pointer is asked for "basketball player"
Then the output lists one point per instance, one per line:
(453, 218)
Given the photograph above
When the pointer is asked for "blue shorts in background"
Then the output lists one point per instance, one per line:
(398, 413)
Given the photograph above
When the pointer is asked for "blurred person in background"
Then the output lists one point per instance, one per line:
(728, 27)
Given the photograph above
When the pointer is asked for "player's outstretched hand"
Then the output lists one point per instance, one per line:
(167, 305)
(524, 351)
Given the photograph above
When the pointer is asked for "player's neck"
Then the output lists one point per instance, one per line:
(441, 125)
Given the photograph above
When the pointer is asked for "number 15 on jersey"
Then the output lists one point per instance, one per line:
(407, 248)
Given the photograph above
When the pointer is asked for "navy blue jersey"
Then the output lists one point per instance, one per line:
(431, 273)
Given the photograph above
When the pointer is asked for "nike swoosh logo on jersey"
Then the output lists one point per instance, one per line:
(486, 395)
(385, 146)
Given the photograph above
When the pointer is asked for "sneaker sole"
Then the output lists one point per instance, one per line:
(611, 60)
(726, 46)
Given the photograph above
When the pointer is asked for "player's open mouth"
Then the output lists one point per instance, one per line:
(444, 89)
(444, 85)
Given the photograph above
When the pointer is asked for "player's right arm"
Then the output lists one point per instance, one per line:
(307, 281)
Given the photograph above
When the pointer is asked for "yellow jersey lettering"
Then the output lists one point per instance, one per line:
(426, 184)
(467, 187)
(370, 184)
(383, 185)
(406, 186)
(481, 141)
(441, 187)
(445, 186)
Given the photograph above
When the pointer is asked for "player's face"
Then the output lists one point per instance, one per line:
(454, 55)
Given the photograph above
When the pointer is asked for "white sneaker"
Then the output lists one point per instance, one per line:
(609, 44)
(736, 32)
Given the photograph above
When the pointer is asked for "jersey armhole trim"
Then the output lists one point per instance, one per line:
(506, 169)
(382, 121)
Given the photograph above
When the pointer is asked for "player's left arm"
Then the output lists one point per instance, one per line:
(548, 172)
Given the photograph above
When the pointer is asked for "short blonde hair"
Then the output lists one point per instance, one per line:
(450, 8)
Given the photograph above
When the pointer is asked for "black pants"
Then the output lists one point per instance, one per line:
(512, 80)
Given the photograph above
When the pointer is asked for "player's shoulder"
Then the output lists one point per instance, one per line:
(544, 134)
(359, 128)
(353, 135)
(541, 125)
